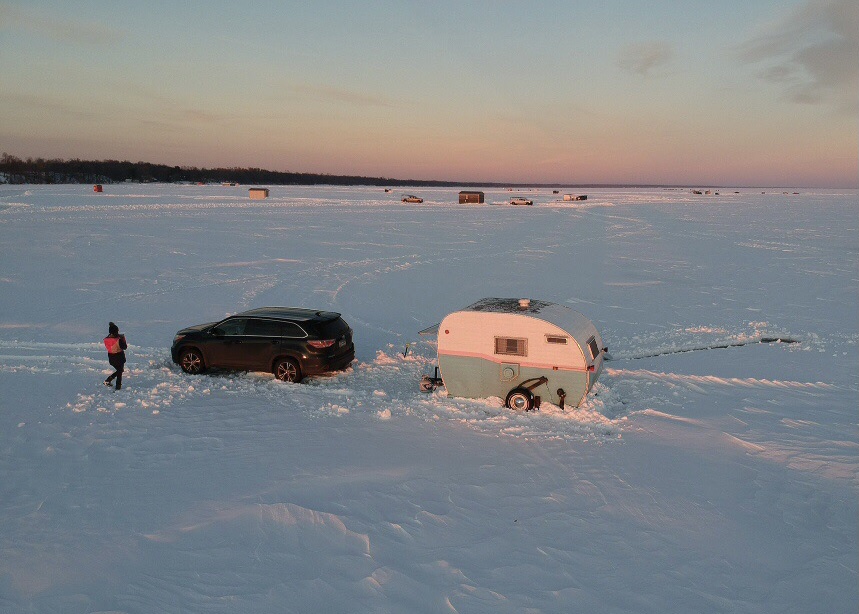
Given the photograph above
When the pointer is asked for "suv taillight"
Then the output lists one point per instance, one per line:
(321, 343)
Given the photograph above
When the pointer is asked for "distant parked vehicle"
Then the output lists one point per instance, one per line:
(286, 341)
(411, 198)
(521, 200)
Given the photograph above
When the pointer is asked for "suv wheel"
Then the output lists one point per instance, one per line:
(287, 370)
(191, 361)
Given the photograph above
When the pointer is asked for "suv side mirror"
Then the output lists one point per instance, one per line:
(217, 332)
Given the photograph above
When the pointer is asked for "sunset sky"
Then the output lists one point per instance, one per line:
(762, 92)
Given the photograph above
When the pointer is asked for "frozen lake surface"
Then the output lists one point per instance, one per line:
(711, 481)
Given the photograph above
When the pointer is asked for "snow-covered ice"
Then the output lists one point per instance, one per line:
(710, 481)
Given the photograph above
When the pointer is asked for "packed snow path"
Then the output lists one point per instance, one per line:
(718, 481)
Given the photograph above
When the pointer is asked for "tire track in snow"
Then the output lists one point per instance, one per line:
(744, 382)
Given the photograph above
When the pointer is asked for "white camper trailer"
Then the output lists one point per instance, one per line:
(520, 350)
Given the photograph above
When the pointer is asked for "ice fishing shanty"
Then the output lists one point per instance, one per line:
(470, 196)
(520, 350)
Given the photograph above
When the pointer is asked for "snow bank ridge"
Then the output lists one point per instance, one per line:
(287, 517)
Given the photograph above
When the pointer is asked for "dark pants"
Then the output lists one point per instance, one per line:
(120, 367)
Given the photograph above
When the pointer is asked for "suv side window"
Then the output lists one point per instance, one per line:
(262, 328)
(233, 327)
(288, 329)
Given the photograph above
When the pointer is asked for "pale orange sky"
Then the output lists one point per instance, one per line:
(610, 92)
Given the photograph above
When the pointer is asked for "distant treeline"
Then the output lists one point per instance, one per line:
(55, 170)
(41, 170)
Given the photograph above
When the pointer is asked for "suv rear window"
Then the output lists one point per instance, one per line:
(294, 331)
(331, 329)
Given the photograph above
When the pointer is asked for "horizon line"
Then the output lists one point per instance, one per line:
(380, 180)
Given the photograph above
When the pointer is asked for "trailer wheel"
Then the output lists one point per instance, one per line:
(520, 399)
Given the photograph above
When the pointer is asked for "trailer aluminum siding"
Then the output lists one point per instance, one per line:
(471, 368)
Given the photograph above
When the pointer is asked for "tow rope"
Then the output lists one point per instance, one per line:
(707, 347)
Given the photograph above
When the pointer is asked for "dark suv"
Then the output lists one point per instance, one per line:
(287, 341)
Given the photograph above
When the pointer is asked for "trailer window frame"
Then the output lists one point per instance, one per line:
(557, 339)
(593, 347)
(503, 346)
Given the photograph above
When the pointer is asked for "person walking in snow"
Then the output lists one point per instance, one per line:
(116, 346)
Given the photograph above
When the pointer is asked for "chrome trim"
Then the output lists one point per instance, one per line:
(278, 320)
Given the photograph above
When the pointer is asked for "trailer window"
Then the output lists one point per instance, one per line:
(510, 346)
(556, 339)
(592, 344)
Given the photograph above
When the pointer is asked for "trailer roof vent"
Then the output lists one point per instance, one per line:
(524, 303)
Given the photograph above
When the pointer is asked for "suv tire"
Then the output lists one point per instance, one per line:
(287, 370)
(191, 361)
